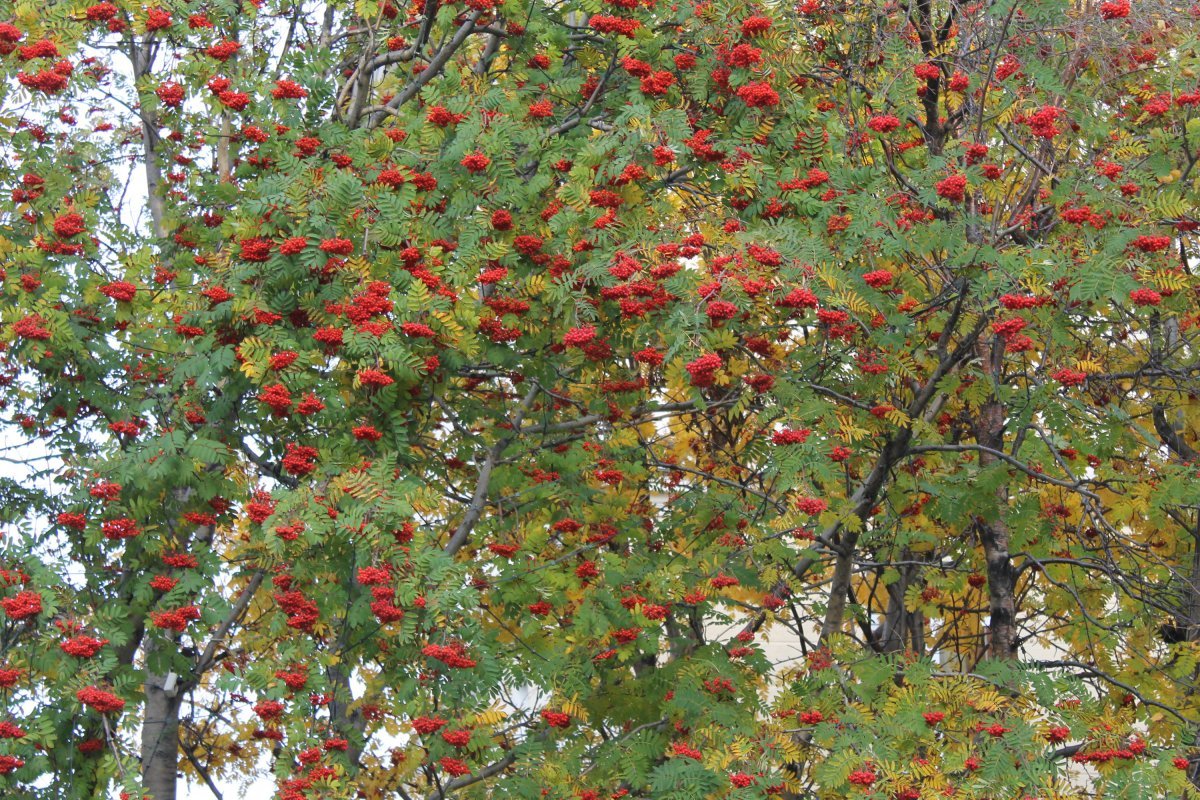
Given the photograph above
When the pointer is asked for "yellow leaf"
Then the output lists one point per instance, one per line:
(574, 709)
(493, 716)
(535, 284)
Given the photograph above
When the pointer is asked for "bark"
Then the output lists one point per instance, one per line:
(901, 628)
(159, 753)
(432, 70)
(1002, 639)
(350, 724)
(479, 498)
(154, 198)
(994, 534)
(224, 147)
(141, 56)
(1171, 435)
(160, 737)
(935, 134)
(160, 714)
(839, 588)
(844, 541)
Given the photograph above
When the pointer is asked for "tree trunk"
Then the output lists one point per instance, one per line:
(994, 534)
(902, 629)
(1002, 639)
(160, 740)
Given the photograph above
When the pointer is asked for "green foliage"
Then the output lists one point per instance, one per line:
(758, 402)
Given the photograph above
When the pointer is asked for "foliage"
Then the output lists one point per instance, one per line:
(468, 400)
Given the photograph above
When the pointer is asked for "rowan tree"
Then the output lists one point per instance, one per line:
(452, 400)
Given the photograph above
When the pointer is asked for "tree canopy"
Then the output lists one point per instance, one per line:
(594, 399)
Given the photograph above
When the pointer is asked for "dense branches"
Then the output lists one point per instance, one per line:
(664, 401)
